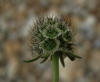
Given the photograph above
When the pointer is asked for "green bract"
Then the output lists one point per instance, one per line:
(51, 32)
(52, 36)
(62, 26)
(50, 46)
(67, 36)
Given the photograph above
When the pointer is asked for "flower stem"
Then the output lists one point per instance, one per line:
(55, 61)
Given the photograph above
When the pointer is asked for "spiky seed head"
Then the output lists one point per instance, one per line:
(50, 36)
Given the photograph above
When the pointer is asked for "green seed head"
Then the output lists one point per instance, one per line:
(51, 36)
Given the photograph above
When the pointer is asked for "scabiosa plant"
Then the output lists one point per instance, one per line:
(54, 38)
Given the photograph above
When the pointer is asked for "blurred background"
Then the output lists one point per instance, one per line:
(16, 18)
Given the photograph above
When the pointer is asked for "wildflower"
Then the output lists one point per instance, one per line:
(52, 36)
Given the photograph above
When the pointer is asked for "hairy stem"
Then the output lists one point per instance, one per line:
(55, 61)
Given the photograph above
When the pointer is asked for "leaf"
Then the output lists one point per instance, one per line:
(72, 58)
(28, 61)
(62, 60)
(75, 55)
(44, 56)
(70, 54)
(44, 60)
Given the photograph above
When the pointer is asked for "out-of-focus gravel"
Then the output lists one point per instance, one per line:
(16, 18)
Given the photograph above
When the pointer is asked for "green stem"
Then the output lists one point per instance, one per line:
(55, 61)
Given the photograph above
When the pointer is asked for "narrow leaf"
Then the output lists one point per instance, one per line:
(44, 60)
(74, 55)
(44, 56)
(62, 60)
(72, 58)
(71, 54)
(28, 61)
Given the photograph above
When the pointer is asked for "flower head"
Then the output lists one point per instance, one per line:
(52, 36)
